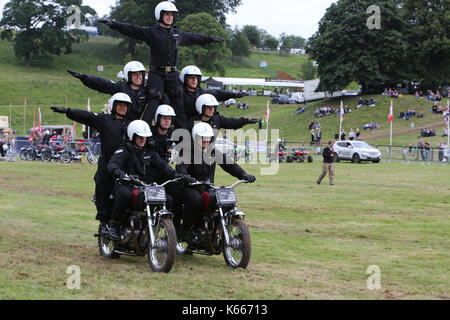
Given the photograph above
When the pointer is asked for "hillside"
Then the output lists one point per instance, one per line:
(47, 86)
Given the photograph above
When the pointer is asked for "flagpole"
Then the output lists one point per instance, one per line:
(448, 125)
(10, 116)
(341, 118)
(267, 120)
(24, 115)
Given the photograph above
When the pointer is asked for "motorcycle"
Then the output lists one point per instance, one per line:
(148, 231)
(299, 156)
(48, 154)
(223, 230)
(32, 153)
(11, 151)
(69, 155)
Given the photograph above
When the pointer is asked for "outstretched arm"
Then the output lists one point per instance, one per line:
(129, 30)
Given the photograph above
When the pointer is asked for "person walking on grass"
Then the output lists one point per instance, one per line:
(328, 163)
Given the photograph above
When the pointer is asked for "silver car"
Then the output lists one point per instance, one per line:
(356, 151)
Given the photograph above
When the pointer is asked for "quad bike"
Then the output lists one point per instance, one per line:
(299, 156)
(148, 231)
(222, 230)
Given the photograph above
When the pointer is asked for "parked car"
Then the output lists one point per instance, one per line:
(284, 99)
(229, 102)
(227, 147)
(356, 151)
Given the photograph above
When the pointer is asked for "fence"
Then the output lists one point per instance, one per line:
(95, 146)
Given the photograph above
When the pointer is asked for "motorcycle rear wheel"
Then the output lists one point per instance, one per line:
(65, 157)
(31, 155)
(46, 156)
(237, 254)
(161, 257)
(105, 245)
(23, 155)
(91, 158)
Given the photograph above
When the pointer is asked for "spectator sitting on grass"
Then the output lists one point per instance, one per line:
(420, 114)
(372, 102)
(401, 115)
(445, 132)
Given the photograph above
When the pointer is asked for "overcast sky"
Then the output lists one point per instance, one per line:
(299, 17)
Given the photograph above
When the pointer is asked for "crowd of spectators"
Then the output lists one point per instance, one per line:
(242, 106)
(437, 109)
(391, 93)
(371, 126)
(426, 132)
(366, 102)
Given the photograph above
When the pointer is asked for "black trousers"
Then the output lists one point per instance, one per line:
(195, 203)
(169, 84)
(127, 197)
(104, 184)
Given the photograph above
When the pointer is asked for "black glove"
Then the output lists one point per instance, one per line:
(155, 94)
(216, 39)
(185, 177)
(59, 109)
(76, 74)
(240, 94)
(249, 178)
(119, 174)
(251, 121)
(105, 21)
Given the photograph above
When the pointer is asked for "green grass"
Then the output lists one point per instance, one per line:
(308, 241)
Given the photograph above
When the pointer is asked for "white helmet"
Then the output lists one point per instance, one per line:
(133, 66)
(202, 129)
(205, 100)
(5, 147)
(139, 128)
(191, 71)
(164, 110)
(164, 6)
(120, 96)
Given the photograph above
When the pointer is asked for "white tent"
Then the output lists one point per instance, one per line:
(256, 82)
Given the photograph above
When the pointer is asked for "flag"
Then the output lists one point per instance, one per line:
(341, 112)
(25, 101)
(34, 123)
(391, 114)
(267, 111)
(89, 105)
(39, 120)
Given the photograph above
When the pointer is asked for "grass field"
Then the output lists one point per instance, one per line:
(309, 241)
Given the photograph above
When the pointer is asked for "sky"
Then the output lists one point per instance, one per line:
(298, 17)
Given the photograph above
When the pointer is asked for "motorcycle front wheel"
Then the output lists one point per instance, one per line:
(105, 245)
(46, 156)
(161, 256)
(91, 158)
(23, 155)
(31, 155)
(237, 253)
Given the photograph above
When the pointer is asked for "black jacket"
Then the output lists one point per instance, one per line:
(138, 97)
(112, 130)
(163, 42)
(161, 143)
(189, 99)
(328, 155)
(206, 171)
(144, 163)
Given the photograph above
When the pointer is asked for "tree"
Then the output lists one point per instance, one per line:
(37, 27)
(253, 35)
(141, 12)
(286, 44)
(206, 57)
(297, 41)
(307, 70)
(270, 42)
(347, 50)
(429, 25)
(239, 43)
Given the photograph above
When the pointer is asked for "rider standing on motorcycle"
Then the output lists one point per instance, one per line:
(135, 159)
(206, 106)
(191, 77)
(164, 40)
(112, 128)
(202, 198)
(133, 86)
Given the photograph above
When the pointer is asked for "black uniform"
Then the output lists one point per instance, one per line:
(161, 143)
(190, 97)
(163, 75)
(112, 135)
(144, 163)
(200, 199)
(138, 97)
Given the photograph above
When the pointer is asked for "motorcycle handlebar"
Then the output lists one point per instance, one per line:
(207, 183)
(137, 181)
